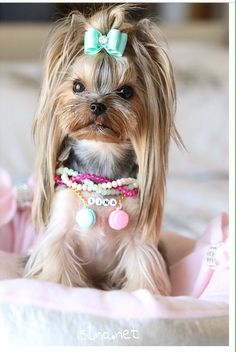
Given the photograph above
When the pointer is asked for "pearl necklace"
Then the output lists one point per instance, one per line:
(78, 183)
(99, 184)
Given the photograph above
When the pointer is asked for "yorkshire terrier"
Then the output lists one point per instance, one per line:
(102, 134)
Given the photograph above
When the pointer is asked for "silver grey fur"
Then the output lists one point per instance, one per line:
(105, 159)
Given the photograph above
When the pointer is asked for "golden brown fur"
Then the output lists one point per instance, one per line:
(146, 122)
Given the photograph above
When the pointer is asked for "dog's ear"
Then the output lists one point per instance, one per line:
(64, 45)
(153, 137)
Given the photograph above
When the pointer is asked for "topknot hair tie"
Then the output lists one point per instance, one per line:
(114, 42)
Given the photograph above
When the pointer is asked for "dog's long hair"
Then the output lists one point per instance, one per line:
(155, 126)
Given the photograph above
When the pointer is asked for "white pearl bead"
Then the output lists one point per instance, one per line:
(79, 187)
(109, 185)
(84, 188)
(69, 183)
(114, 184)
(64, 177)
(119, 182)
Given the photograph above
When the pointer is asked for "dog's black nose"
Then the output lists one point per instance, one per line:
(97, 108)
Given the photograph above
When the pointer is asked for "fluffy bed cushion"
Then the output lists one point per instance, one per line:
(43, 313)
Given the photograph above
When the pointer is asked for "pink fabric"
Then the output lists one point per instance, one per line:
(200, 290)
(115, 304)
(7, 198)
(16, 234)
(191, 275)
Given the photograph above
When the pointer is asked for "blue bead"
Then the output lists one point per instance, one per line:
(86, 218)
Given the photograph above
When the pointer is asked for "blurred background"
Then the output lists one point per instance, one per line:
(197, 36)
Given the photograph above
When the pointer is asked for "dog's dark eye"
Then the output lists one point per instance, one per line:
(126, 92)
(78, 87)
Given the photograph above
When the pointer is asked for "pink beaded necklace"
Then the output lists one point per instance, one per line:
(99, 180)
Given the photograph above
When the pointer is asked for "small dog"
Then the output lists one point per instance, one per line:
(104, 122)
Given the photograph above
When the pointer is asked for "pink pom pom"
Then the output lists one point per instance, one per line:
(118, 219)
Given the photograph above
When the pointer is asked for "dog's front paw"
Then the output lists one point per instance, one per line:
(56, 260)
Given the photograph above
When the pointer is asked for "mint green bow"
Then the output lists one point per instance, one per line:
(114, 42)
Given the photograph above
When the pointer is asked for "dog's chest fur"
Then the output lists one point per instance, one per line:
(104, 159)
(98, 244)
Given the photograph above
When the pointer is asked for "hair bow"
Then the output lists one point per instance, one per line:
(114, 42)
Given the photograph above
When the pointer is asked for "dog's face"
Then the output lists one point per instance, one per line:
(101, 99)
